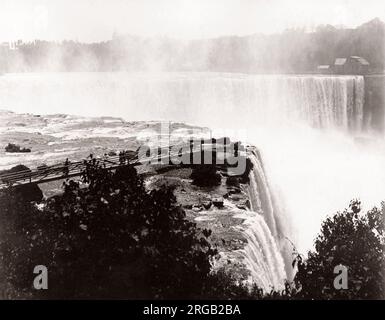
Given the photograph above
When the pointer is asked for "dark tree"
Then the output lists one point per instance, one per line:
(112, 239)
(352, 239)
(205, 175)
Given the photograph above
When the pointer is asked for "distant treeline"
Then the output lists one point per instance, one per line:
(293, 51)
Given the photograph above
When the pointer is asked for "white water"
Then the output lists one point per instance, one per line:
(215, 99)
(262, 255)
(260, 194)
(304, 127)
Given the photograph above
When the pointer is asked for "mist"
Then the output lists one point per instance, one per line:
(293, 51)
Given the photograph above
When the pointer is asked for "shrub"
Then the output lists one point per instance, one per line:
(15, 169)
(112, 239)
(354, 240)
(245, 176)
(205, 176)
(232, 181)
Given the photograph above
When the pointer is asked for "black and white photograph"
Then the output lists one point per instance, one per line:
(192, 150)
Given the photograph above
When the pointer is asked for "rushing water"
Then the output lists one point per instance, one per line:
(306, 127)
(215, 99)
(262, 255)
(266, 254)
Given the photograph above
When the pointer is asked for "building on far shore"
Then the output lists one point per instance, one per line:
(325, 69)
(339, 65)
(353, 65)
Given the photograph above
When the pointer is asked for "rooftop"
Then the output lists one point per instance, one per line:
(340, 61)
(361, 60)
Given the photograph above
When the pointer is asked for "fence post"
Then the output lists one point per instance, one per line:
(214, 150)
(202, 152)
(191, 150)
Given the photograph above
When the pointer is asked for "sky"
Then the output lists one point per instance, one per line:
(96, 20)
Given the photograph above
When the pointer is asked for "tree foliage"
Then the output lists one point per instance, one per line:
(112, 239)
(205, 175)
(352, 239)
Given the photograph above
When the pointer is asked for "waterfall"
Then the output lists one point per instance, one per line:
(219, 100)
(263, 254)
(259, 193)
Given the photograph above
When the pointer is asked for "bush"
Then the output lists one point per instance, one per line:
(205, 176)
(15, 169)
(232, 182)
(245, 176)
(29, 192)
(112, 239)
(354, 240)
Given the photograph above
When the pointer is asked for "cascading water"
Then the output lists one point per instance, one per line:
(261, 255)
(213, 99)
(260, 195)
(264, 254)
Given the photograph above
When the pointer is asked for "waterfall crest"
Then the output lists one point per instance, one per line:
(218, 100)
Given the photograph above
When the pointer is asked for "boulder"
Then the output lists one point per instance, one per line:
(218, 202)
(207, 204)
(235, 197)
(29, 192)
(197, 208)
(15, 148)
(241, 206)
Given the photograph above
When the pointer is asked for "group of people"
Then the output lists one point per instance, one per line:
(67, 163)
(124, 158)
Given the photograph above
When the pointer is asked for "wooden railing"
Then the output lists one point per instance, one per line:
(66, 170)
